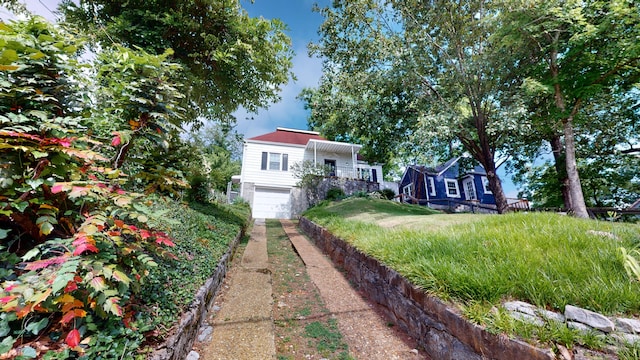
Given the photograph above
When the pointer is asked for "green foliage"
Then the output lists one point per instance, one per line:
(328, 338)
(388, 194)
(200, 189)
(580, 64)
(202, 235)
(230, 60)
(77, 246)
(521, 256)
(335, 193)
(310, 176)
(217, 155)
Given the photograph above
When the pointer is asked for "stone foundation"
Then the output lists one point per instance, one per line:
(437, 327)
(178, 345)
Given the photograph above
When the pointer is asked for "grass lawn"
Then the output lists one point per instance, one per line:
(545, 259)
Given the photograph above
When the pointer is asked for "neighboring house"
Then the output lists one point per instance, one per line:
(437, 185)
(266, 179)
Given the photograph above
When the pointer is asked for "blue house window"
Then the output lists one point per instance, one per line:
(485, 185)
(452, 188)
(431, 186)
(408, 190)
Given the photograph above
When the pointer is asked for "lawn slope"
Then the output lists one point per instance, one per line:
(546, 259)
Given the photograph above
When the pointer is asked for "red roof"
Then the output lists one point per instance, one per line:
(289, 136)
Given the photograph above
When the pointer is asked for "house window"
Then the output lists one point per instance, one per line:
(485, 185)
(365, 174)
(452, 188)
(275, 161)
(408, 190)
(470, 189)
(431, 186)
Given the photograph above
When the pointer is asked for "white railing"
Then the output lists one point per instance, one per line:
(349, 173)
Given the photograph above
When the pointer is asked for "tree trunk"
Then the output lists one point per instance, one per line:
(559, 157)
(484, 153)
(575, 188)
(576, 197)
(495, 184)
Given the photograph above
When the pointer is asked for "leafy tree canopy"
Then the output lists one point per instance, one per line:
(232, 60)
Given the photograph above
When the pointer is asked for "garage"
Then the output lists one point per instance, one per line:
(271, 203)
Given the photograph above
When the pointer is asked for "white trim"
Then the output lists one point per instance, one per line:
(449, 166)
(469, 180)
(299, 131)
(485, 185)
(409, 186)
(446, 187)
(432, 183)
(277, 143)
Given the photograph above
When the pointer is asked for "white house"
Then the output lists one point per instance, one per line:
(266, 180)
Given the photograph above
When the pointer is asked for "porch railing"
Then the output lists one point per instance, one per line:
(348, 173)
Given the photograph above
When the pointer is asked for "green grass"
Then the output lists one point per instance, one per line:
(546, 259)
(380, 208)
(328, 338)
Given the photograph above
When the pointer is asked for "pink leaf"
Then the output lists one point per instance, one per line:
(85, 247)
(60, 187)
(41, 264)
(116, 140)
(163, 239)
(64, 142)
(6, 299)
(73, 338)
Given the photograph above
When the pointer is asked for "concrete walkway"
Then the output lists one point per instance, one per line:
(366, 332)
(243, 328)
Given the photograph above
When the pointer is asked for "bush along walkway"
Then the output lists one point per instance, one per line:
(312, 311)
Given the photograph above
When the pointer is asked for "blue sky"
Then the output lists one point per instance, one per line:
(289, 112)
(303, 24)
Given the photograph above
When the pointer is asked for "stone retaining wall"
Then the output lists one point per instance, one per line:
(438, 328)
(178, 345)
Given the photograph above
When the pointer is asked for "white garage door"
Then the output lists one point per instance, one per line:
(271, 204)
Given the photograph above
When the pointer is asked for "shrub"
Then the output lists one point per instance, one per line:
(335, 193)
(388, 194)
(200, 189)
(76, 247)
(360, 194)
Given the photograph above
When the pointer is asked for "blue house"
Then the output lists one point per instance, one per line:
(435, 186)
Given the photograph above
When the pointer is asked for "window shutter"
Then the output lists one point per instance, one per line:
(264, 161)
(374, 174)
(285, 162)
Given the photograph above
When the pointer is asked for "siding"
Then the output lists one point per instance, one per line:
(252, 160)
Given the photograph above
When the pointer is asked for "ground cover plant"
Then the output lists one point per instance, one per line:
(202, 234)
(546, 259)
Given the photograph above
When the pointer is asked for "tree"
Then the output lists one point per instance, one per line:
(605, 140)
(574, 52)
(230, 59)
(442, 56)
